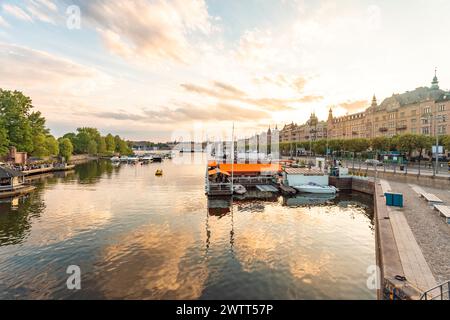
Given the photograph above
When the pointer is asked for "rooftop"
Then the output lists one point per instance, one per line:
(9, 173)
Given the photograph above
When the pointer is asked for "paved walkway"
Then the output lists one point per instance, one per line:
(416, 268)
(430, 230)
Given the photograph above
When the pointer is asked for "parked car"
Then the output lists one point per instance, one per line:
(373, 162)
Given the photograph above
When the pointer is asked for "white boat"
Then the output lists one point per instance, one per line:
(115, 159)
(124, 158)
(316, 188)
(239, 189)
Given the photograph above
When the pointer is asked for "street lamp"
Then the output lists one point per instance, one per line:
(436, 117)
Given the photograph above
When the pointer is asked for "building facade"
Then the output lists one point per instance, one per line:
(425, 110)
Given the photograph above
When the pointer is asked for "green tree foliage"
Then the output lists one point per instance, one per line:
(65, 148)
(52, 145)
(92, 147)
(110, 143)
(101, 145)
(15, 110)
(4, 141)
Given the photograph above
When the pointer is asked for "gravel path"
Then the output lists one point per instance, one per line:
(430, 230)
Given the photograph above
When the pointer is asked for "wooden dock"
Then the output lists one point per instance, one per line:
(16, 192)
(287, 190)
(48, 170)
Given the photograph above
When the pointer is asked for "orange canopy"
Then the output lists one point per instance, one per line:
(250, 167)
(217, 170)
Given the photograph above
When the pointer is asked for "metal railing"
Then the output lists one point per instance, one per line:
(440, 292)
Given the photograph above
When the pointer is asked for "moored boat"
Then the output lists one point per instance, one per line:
(316, 188)
(239, 189)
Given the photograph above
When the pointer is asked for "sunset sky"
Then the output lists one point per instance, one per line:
(145, 68)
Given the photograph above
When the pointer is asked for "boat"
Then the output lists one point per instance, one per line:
(159, 172)
(115, 159)
(123, 158)
(316, 188)
(157, 158)
(239, 189)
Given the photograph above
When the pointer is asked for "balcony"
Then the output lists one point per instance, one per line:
(401, 127)
(383, 129)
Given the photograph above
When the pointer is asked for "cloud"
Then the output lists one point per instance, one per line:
(354, 106)
(187, 112)
(41, 11)
(3, 23)
(148, 29)
(222, 91)
(16, 12)
(23, 67)
(48, 4)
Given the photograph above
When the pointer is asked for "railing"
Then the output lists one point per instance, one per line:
(7, 188)
(440, 292)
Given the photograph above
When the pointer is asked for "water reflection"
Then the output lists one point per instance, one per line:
(138, 236)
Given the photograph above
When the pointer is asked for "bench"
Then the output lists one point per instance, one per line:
(417, 189)
(431, 198)
(444, 211)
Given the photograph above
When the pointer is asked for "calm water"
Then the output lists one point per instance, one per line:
(135, 235)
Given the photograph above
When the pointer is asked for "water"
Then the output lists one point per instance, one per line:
(138, 236)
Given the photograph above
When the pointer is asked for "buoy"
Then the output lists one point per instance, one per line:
(158, 172)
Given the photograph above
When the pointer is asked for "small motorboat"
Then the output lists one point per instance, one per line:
(157, 158)
(159, 172)
(239, 189)
(316, 188)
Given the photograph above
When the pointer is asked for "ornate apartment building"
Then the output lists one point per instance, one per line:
(425, 110)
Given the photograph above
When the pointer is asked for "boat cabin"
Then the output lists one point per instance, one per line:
(10, 179)
(302, 176)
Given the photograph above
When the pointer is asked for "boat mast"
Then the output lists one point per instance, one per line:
(232, 158)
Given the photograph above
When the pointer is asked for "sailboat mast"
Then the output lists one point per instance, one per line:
(232, 159)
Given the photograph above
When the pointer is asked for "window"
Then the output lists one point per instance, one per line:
(426, 110)
(392, 124)
(392, 116)
(425, 130)
(424, 121)
(413, 130)
(441, 129)
(402, 114)
(413, 120)
(441, 108)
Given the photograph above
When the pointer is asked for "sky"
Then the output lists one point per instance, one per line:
(156, 70)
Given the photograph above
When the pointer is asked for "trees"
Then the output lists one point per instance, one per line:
(65, 148)
(110, 143)
(101, 145)
(15, 110)
(4, 141)
(52, 146)
(92, 147)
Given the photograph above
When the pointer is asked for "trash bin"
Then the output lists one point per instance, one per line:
(394, 199)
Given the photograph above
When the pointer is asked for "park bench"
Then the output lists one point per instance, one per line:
(431, 198)
(444, 211)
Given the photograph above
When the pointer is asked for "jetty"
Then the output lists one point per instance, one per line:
(47, 169)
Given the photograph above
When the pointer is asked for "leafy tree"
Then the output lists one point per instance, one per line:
(39, 146)
(92, 147)
(380, 144)
(81, 143)
(446, 142)
(65, 148)
(319, 146)
(101, 145)
(4, 141)
(110, 143)
(123, 148)
(52, 145)
(14, 110)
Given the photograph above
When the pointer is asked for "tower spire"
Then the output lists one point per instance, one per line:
(435, 82)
